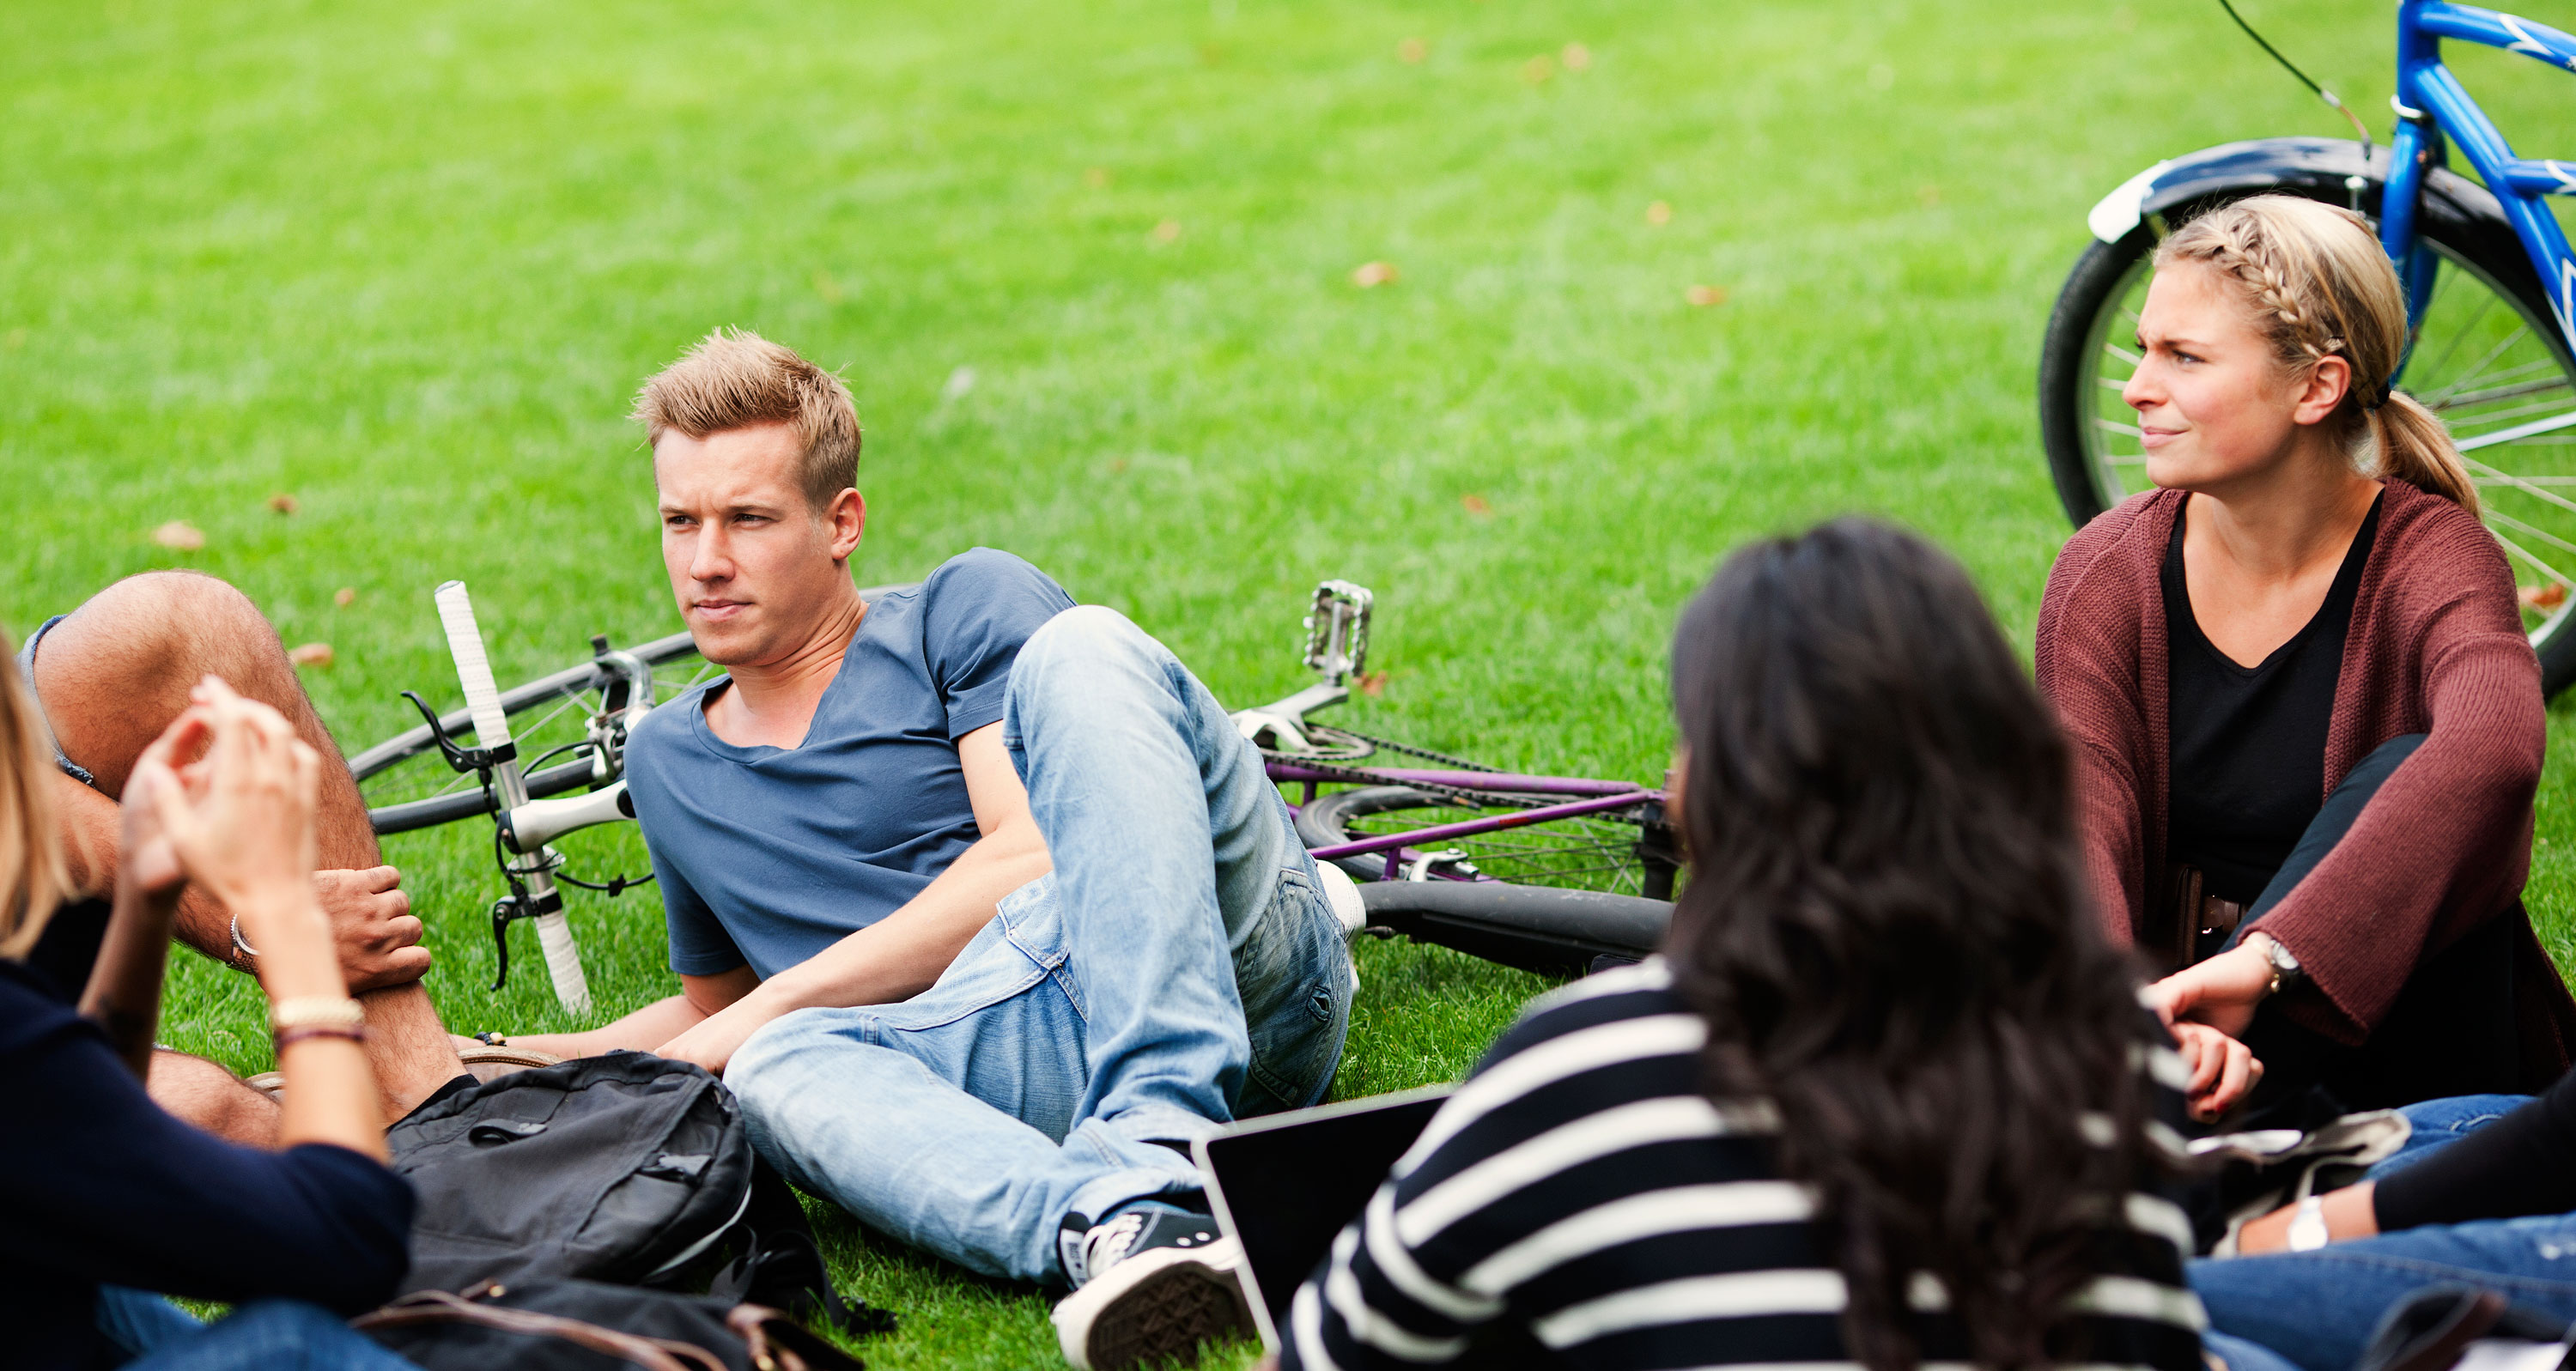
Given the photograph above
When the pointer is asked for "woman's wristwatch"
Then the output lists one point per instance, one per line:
(2308, 1222)
(2286, 971)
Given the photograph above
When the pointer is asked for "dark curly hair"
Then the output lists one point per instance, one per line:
(1886, 928)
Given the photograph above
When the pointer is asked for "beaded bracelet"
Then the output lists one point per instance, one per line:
(325, 1011)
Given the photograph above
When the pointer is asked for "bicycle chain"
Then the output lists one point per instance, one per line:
(1391, 745)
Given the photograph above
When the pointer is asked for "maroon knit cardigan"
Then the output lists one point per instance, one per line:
(2436, 647)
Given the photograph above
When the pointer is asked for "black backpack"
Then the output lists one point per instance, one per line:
(627, 1169)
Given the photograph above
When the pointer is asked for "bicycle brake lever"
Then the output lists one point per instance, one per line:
(503, 910)
(459, 759)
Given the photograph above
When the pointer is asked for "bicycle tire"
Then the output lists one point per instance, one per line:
(1592, 852)
(2479, 264)
(1543, 929)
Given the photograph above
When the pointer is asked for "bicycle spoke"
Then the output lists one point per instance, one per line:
(2553, 573)
(2542, 534)
(2464, 332)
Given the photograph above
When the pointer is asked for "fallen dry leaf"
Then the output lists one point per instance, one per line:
(1659, 214)
(1705, 295)
(1371, 275)
(1411, 51)
(1211, 54)
(1476, 505)
(1117, 465)
(1168, 231)
(1373, 684)
(1576, 57)
(828, 288)
(284, 503)
(179, 535)
(344, 597)
(1095, 177)
(1538, 69)
(310, 654)
(2550, 596)
(1930, 195)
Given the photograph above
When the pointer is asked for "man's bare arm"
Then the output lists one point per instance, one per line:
(904, 953)
(700, 998)
(371, 919)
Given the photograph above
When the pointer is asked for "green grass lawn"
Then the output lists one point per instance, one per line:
(1089, 270)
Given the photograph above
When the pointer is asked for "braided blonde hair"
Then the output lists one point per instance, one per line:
(2319, 287)
(33, 877)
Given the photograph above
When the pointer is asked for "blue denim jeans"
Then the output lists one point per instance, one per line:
(1178, 969)
(2317, 1309)
(268, 1335)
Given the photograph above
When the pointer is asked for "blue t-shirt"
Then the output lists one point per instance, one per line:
(768, 855)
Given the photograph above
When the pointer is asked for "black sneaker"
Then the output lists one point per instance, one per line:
(1149, 1284)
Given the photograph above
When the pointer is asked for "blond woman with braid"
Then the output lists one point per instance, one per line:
(2308, 724)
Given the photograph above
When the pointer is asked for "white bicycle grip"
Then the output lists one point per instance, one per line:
(473, 668)
(563, 962)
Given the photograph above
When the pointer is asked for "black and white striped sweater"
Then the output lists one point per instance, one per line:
(1580, 1186)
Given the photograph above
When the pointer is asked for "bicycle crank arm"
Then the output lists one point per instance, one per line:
(529, 827)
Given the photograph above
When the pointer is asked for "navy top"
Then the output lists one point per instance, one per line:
(768, 855)
(2249, 742)
(99, 1187)
(2521, 1164)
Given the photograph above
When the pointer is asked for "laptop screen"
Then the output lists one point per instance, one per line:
(1285, 1184)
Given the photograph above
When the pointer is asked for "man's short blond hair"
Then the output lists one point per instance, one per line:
(736, 379)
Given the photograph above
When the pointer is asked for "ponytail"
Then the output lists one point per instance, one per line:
(2415, 447)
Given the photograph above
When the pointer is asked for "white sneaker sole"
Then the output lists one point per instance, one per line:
(1154, 1305)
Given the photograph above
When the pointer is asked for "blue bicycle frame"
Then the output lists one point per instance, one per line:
(2429, 97)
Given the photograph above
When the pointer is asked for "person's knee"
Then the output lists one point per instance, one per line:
(1087, 633)
(150, 635)
(1082, 658)
(175, 614)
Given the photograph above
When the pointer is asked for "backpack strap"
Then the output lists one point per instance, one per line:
(781, 1264)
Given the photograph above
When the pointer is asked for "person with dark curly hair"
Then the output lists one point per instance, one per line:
(1886, 1098)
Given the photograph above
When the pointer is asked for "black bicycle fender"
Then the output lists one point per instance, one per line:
(1536, 928)
(2314, 168)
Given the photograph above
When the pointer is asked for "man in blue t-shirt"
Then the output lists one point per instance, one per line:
(977, 899)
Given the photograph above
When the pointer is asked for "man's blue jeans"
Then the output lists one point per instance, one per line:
(1180, 968)
(266, 1335)
(2317, 1309)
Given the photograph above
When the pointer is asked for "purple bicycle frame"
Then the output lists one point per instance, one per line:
(1591, 797)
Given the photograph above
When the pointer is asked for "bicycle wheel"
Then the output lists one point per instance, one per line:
(1599, 852)
(2487, 358)
(408, 785)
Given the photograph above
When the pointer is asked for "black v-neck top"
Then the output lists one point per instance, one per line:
(2249, 743)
